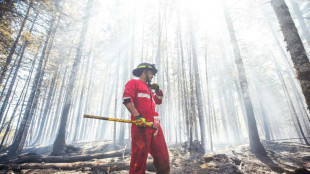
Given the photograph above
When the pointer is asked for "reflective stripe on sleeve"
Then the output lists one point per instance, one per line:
(126, 98)
(143, 95)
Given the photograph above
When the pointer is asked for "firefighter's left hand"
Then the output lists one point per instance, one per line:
(155, 86)
(140, 121)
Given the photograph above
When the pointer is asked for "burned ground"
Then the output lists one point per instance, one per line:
(102, 157)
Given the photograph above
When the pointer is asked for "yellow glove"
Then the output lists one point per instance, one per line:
(155, 86)
(140, 121)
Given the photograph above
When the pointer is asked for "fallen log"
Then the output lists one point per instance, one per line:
(83, 166)
(68, 159)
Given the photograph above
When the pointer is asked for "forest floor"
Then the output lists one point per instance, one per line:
(102, 157)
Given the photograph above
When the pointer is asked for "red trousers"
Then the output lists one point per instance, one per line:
(142, 143)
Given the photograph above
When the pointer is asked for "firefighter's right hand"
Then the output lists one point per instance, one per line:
(140, 121)
(155, 86)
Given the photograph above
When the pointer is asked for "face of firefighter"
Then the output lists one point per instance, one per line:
(147, 73)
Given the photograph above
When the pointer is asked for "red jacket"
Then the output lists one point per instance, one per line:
(143, 98)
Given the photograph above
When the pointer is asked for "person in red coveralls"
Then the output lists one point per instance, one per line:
(140, 101)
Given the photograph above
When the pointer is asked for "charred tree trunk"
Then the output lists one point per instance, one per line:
(54, 123)
(60, 142)
(192, 109)
(198, 89)
(256, 145)
(294, 46)
(301, 21)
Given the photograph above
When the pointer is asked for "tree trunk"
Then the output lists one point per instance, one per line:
(116, 94)
(88, 86)
(158, 53)
(4, 105)
(290, 103)
(297, 92)
(19, 141)
(27, 83)
(159, 75)
(198, 89)
(233, 118)
(37, 113)
(192, 109)
(214, 118)
(10, 73)
(89, 89)
(123, 111)
(300, 102)
(47, 106)
(184, 87)
(13, 115)
(60, 142)
(220, 98)
(294, 46)
(44, 114)
(55, 121)
(263, 113)
(101, 124)
(80, 109)
(255, 143)
(107, 110)
(6, 114)
(208, 102)
(301, 21)
(9, 58)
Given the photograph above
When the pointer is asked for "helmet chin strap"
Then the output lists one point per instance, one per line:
(147, 78)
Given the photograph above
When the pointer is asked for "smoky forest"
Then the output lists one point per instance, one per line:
(230, 80)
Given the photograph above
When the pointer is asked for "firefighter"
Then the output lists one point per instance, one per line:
(140, 101)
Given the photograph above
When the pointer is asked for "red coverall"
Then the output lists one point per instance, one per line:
(142, 139)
